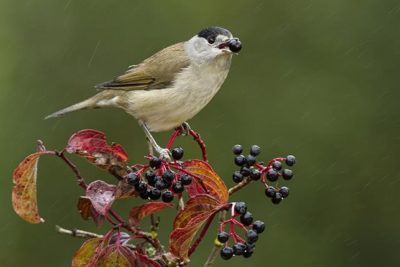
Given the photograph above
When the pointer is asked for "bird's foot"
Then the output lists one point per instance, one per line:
(164, 153)
(185, 127)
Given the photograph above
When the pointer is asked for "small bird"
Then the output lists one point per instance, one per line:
(170, 87)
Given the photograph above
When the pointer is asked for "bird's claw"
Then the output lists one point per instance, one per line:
(185, 127)
(164, 153)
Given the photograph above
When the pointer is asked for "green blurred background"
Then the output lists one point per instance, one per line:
(318, 79)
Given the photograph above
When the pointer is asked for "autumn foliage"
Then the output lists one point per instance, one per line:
(127, 243)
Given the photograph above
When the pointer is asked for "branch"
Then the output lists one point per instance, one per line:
(211, 258)
(73, 167)
(239, 186)
(214, 252)
(200, 142)
(77, 233)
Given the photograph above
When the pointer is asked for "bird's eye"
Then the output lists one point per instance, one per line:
(211, 40)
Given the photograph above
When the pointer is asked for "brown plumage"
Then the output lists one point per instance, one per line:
(156, 72)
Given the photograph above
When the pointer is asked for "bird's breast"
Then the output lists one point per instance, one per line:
(192, 90)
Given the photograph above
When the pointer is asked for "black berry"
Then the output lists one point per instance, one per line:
(178, 187)
(277, 165)
(251, 160)
(223, 237)
(186, 179)
(155, 194)
(237, 149)
(277, 198)
(240, 160)
(250, 246)
(235, 45)
(141, 187)
(150, 176)
(248, 253)
(168, 176)
(160, 184)
(258, 226)
(237, 177)
(245, 171)
(251, 236)
(239, 248)
(155, 162)
(272, 175)
(133, 178)
(240, 207)
(255, 150)
(290, 160)
(145, 194)
(226, 253)
(270, 191)
(255, 174)
(167, 196)
(177, 153)
(284, 191)
(246, 219)
(287, 174)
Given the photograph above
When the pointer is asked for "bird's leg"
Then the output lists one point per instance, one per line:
(163, 152)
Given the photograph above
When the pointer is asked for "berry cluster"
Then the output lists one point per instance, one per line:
(274, 171)
(157, 180)
(241, 246)
(247, 164)
(250, 168)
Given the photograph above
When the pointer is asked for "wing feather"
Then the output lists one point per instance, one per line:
(156, 72)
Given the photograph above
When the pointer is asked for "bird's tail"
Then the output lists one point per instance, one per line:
(102, 99)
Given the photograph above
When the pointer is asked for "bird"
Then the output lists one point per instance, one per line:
(170, 87)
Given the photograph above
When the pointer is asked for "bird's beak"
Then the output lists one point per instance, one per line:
(232, 45)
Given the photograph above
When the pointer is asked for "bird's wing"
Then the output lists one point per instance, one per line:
(156, 72)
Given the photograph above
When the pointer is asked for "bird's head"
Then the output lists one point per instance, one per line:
(211, 43)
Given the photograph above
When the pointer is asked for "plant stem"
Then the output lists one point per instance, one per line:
(77, 233)
(73, 167)
(214, 252)
(200, 142)
(211, 258)
(239, 186)
(177, 132)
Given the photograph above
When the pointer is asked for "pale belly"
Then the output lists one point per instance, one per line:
(166, 109)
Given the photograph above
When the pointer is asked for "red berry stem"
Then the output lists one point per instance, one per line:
(200, 142)
(176, 133)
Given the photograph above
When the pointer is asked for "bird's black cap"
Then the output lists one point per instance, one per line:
(213, 32)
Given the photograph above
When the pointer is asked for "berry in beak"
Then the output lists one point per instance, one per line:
(233, 44)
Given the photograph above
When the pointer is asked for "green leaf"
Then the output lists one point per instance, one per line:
(85, 253)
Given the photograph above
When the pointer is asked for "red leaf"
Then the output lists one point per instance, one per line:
(210, 180)
(24, 193)
(136, 214)
(144, 261)
(196, 206)
(87, 141)
(188, 221)
(124, 190)
(116, 255)
(86, 210)
(119, 151)
(101, 195)
(92, 145)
